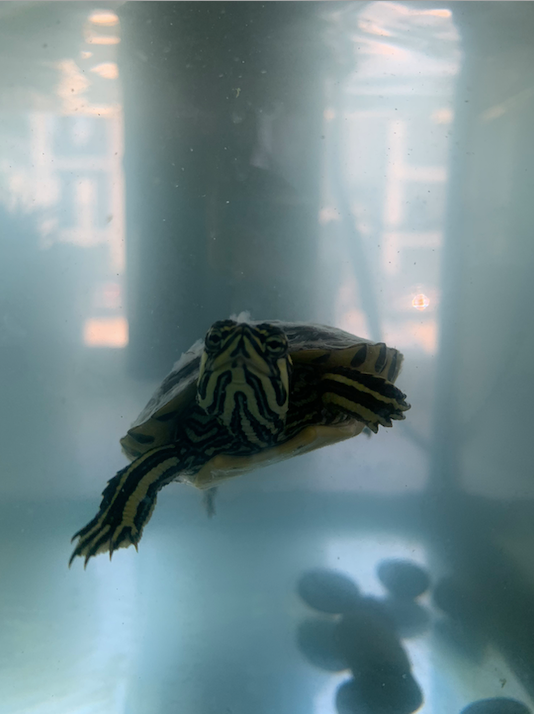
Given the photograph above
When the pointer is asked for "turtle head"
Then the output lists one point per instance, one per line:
(244, 379)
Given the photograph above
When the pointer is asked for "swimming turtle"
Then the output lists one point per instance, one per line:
(249, 394)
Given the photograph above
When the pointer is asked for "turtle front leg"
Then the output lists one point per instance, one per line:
(127, 503)
(365, 397)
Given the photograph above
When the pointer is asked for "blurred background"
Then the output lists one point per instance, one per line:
(367, 165)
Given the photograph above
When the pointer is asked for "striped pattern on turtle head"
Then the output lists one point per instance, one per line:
(244, 379)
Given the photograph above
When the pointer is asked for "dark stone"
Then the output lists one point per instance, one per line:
(403, 579)
(391, 694)
(368, 640)
(328, 591)
(496, 705)
(348, 700)
(317, 642)
(410, 618)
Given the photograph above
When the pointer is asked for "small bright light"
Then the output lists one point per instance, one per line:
(420, 302)
(106, 332)
(104, 17)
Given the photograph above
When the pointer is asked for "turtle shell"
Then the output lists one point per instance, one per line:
(308, 343)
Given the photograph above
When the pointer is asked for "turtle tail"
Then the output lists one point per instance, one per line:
(127, 503)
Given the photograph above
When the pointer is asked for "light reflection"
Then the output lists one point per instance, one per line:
(513, 102)
(77, 161)
(328, 214)
(416, 35)
(355, 322)
(381, 48)
(437, 12)
(420, 302)
(99, 110)
(107, 70)
(329, 114)
(93, 39)
(413, 334)
(109, 296)
(442, 116)
(106, 332)
(393, 121)
(104, 17)
(72, 84)
(372, 28)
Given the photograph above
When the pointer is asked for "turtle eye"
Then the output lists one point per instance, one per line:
(213, 340)
(275, 345)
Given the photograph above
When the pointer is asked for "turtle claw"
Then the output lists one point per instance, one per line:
(127, 504)
(94, 539)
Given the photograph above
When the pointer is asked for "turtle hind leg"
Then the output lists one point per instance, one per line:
(208, 501)
(370, 399)
(127, 503)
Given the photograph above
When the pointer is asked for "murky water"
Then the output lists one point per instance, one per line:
(362, 165)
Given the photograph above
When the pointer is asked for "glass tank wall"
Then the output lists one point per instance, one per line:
(364, 165)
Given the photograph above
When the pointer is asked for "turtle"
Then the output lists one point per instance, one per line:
(249, 394)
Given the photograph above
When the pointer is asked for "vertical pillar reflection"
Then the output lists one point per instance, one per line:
(223, 118)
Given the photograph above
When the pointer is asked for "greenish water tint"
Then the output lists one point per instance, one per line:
(363, 165)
